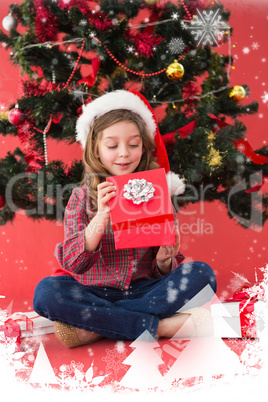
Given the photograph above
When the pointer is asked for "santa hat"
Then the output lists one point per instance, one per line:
(137, 103)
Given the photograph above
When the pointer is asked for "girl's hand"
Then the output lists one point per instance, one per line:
(96, 227)
(106, 191)
(165, 253)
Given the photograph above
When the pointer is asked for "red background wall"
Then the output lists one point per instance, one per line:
(235, 253)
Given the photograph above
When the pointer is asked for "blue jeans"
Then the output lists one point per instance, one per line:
(121, 315)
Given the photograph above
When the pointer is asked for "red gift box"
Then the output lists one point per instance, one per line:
(33, 324)
(14, 327)
(10, 333)
(241, 316)
(146, 224)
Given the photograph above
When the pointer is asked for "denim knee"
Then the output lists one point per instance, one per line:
(201, 274)
(43, 296)
(209, 275)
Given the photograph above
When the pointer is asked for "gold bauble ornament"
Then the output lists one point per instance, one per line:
(4, 115)
(237, 93)
(175, 71)
(151, 2)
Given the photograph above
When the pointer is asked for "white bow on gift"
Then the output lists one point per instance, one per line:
(138, 190)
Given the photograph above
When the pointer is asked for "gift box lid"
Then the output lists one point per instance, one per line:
(233, 309)
(37, 320)
(230, 309)
(125, 213)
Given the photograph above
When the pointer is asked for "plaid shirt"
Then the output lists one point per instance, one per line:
(106, 266)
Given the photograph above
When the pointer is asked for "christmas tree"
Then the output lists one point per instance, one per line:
(144, 361)
(166, 50)
(198, 359)
(42, 372)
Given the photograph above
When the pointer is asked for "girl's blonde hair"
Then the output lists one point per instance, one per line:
(94, 171)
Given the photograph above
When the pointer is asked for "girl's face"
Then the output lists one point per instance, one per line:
(120, 148)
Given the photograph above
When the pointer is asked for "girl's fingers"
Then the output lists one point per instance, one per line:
(177, 240)
(105, 184)
(110, 195)
(103, 191)
(106, 191)
(169, 250)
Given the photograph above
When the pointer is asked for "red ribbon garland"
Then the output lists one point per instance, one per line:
(184, 132)
(91, 78)
(243, 145)
(258, 186)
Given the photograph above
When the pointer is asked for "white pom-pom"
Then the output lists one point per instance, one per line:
(175, 184)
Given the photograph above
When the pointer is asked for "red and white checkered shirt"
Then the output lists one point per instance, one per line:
(105, 267)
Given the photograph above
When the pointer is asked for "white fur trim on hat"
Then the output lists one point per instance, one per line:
(119, 99)
(175, 183)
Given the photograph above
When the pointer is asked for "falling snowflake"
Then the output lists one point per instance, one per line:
(120, 346)
(246, 50)
(183, 283)
(156, 82)
(176, 46)
(76, 293)
(240, 159)
(172, 294)
(265, 97)
(241, 147)
(208, 27)
(85, 313)
(237, 282)
(184, 25)
(130, 49)
(255, 45)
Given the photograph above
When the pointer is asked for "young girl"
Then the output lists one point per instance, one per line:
(118, 294)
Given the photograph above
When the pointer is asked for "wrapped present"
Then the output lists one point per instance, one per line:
(35, 325)
(240, 317)
(14, 327)
(141, 212)
(10, 334)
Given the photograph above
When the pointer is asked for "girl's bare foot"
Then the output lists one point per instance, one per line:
(168, 327)
(191, 323)
(87, 336)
